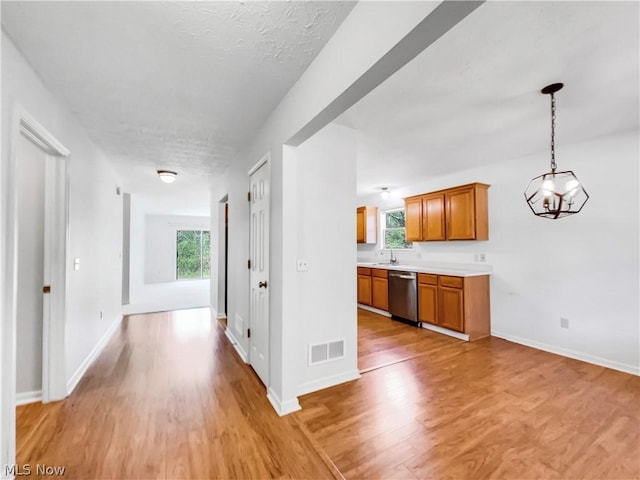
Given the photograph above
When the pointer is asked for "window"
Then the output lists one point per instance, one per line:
(393, 229)
(192, 254)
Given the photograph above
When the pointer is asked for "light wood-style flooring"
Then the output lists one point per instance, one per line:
(486, 409)
(169, 398)
(383, 342)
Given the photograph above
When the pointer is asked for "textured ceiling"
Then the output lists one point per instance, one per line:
(473, 97)
(177, 85)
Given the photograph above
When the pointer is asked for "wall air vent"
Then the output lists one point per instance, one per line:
(324, 352)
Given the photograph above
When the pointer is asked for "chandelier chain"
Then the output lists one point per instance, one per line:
(553, 133)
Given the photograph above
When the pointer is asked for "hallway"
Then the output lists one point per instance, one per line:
(158, 404)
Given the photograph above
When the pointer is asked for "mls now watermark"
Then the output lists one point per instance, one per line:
(39, 469)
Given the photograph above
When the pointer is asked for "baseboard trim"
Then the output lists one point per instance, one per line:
(243, 355)
(446, 331)
(136, 309)
(216, 313)
(374, 310)
(24, 398)
(565, 352)
(282, 408)
(326, 382)
(95, 353)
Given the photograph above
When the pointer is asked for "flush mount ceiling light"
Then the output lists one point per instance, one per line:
(385, 193)
(167, 176)
(555, 194)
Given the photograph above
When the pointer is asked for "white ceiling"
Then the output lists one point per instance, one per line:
(474, 96)
(174, 85)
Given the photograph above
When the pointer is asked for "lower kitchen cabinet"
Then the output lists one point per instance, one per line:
(451, 308)
(428, 298)
(380, 289)
(456, 303)
(364, 286)
(373, 287)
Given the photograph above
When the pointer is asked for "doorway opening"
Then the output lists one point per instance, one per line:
(222, 308)
(226, 255)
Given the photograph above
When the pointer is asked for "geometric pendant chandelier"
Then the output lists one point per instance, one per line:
(555, 194)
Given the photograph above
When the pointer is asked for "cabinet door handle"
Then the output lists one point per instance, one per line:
(262, 284)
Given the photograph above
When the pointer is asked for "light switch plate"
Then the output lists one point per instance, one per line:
(76, 264)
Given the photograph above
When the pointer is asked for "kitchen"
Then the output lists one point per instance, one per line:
(448, 298)
(446, 121)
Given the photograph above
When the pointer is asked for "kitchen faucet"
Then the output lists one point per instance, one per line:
(392, 260)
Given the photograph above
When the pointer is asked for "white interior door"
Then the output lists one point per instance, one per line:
(32, 306)
(259, 273)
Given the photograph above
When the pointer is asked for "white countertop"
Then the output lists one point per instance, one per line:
(453, 269)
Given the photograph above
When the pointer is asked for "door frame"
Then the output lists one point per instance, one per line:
(265, 161)
(56, 255)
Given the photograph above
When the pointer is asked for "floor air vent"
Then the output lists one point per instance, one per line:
(323, 352)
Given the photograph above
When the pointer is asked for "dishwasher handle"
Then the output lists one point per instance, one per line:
(404, 277)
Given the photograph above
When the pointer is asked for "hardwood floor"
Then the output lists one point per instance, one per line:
(487, 409)
(383, 342)
(169, 398)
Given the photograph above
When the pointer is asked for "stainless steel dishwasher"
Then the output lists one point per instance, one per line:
(403, 295)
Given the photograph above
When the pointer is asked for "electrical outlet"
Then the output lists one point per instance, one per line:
(564, 322)
(303, 265)
(480, 257)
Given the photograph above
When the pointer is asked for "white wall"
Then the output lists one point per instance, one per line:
(153, 284)
(375, 40)
(583, 267)
(95, 211)
(326, 293)
(95, 216)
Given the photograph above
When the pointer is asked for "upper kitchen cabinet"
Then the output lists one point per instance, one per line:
(413, 219)
(467, 212)
(433, 225)
(367, 224)
(459, 213)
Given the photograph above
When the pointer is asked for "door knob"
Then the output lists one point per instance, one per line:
(262, 284)
(46, 289)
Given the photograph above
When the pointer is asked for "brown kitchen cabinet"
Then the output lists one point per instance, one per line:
(456, 303)
(467, 212)
(367, 224)
(364, 286)
(413, 219)
(451, 308)
(433, 217)
(428, 298)
(458, 213)
(380, 288)
(373, 287)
